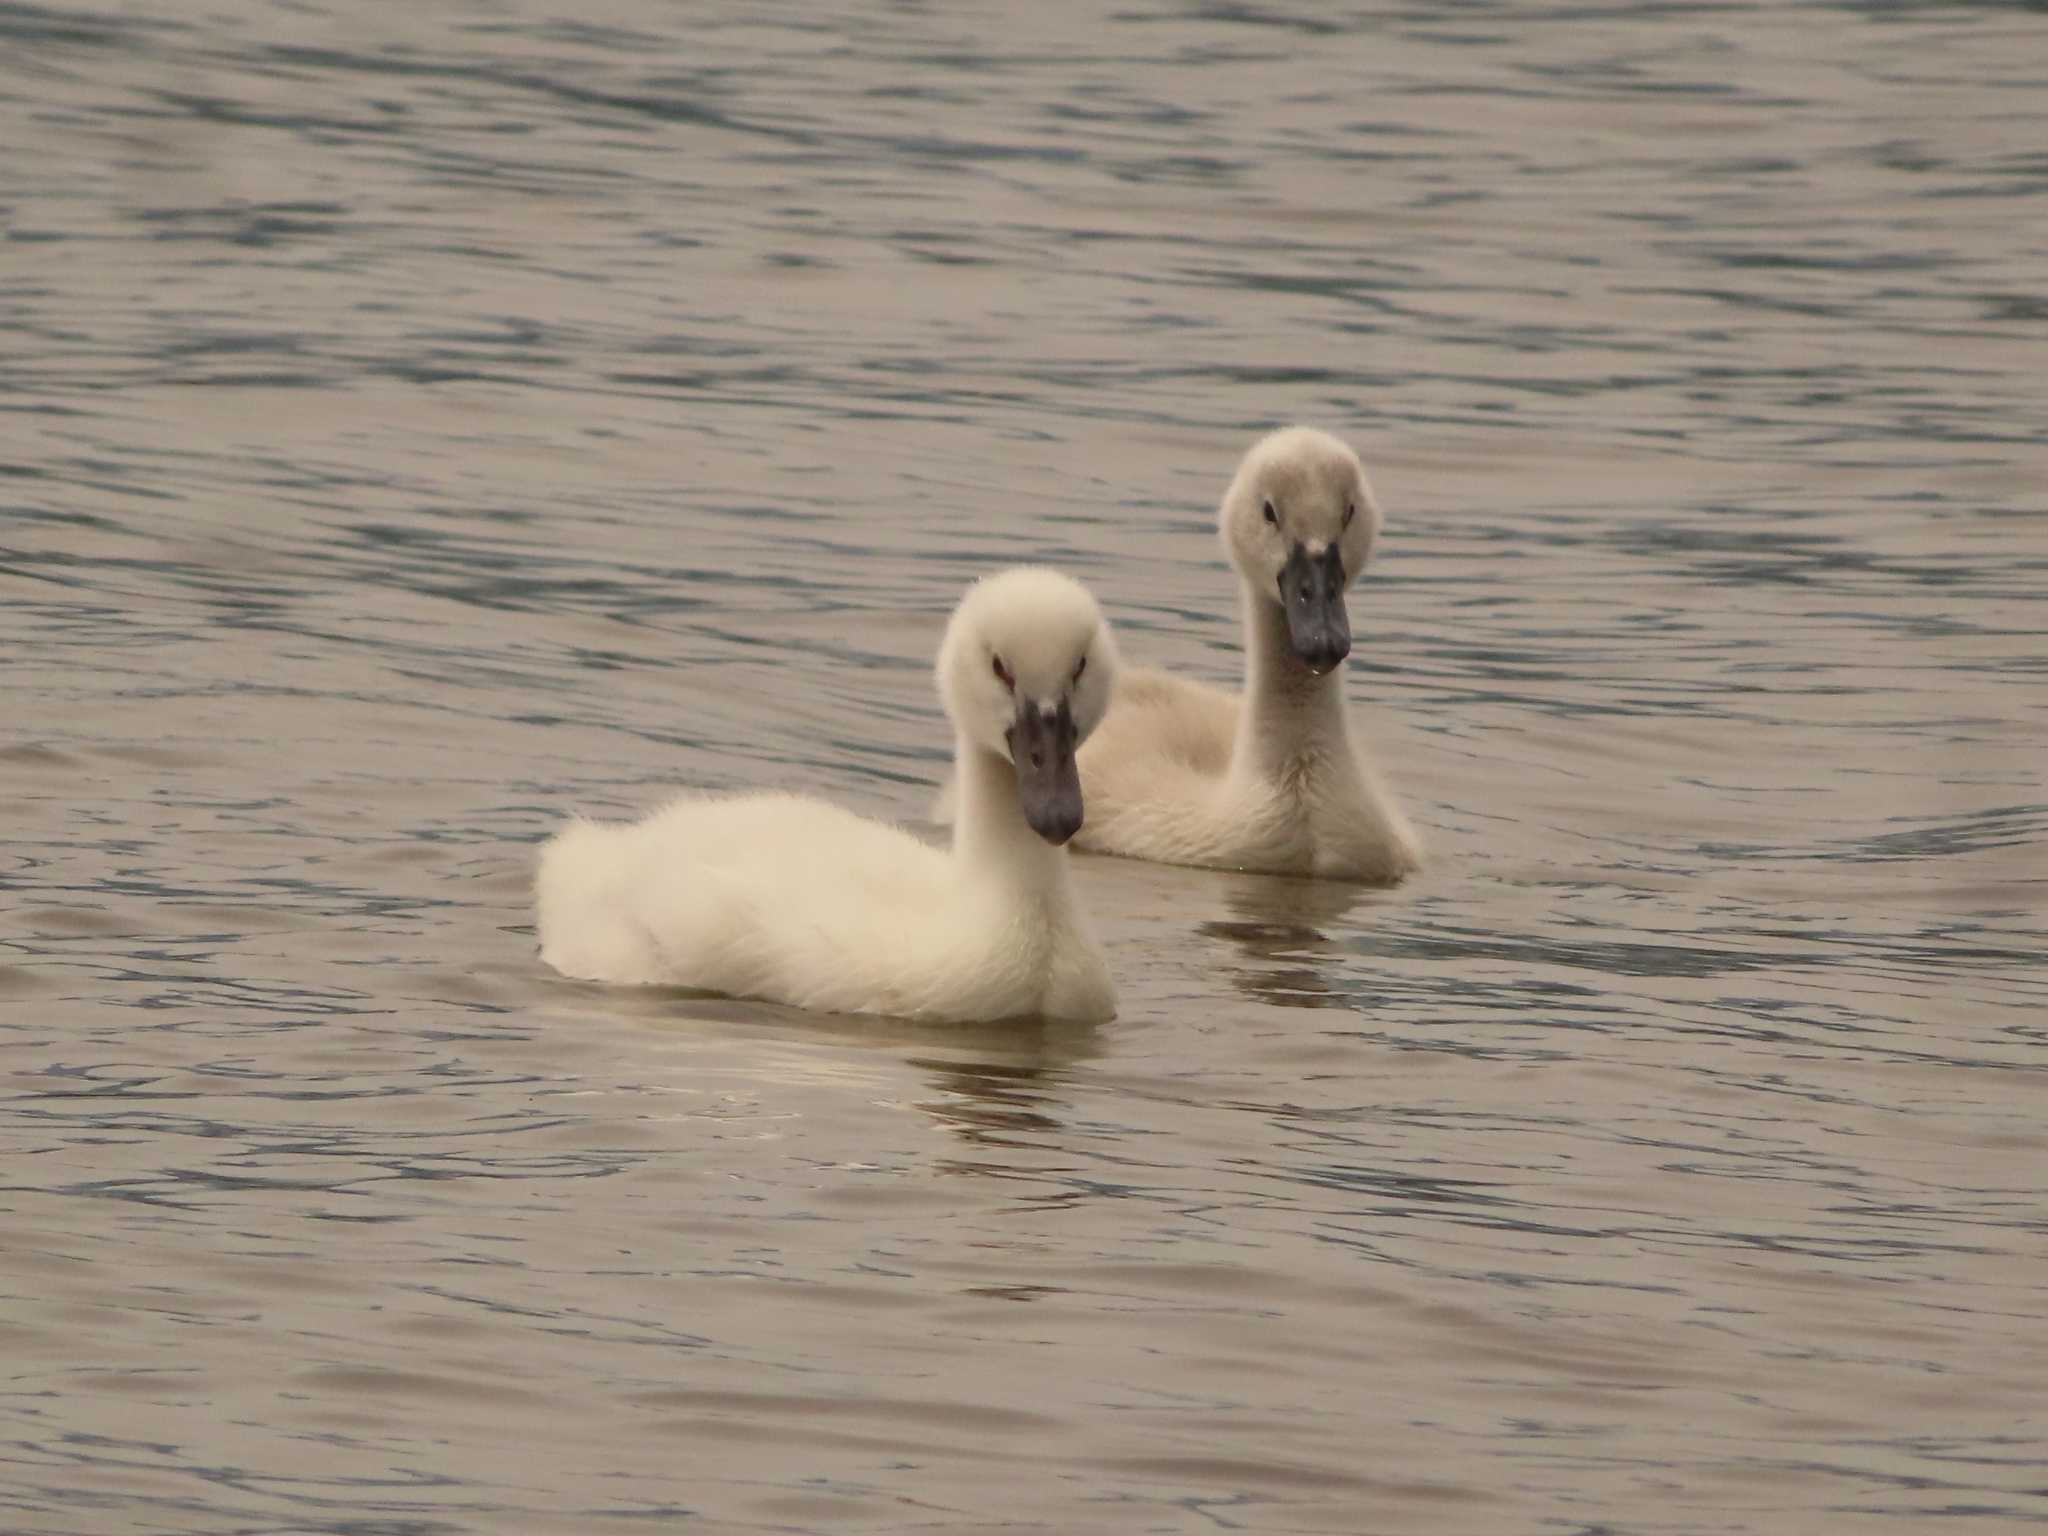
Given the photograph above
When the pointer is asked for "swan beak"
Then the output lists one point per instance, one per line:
(1312, 592)
(1048, 784)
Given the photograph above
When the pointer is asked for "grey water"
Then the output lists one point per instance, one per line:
(421, 422)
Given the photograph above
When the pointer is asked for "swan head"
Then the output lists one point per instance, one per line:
(1026, 671)
(1299, 523)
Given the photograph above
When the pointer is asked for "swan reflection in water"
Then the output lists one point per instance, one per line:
(1278, 924)
(991, 1103)
(989, 1084)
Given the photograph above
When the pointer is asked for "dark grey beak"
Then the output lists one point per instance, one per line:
(1048, 784)
(1312, 592)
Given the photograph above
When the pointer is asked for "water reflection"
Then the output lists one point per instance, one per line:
(1277, 924)
(990, 1104)
(990, 1083)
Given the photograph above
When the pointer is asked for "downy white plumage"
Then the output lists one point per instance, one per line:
(793, 900)
(1274, 781)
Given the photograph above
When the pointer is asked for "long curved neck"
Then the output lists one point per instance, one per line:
(1289, 713)
(990, 834)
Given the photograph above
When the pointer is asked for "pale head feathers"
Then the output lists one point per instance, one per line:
(1030, 635)
(1297, 486)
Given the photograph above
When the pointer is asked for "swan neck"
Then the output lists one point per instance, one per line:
(1286, 707)
(990, 834)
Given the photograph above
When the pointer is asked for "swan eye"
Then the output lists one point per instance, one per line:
(1080, 667)
(1350, 511)
(1003, 672)
(1272, 516)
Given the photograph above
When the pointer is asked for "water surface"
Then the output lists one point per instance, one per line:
(420, 423)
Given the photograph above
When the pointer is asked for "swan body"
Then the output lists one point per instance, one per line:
(793, 900)
(1274, 780)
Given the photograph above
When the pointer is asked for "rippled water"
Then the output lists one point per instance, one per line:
(423, 421)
